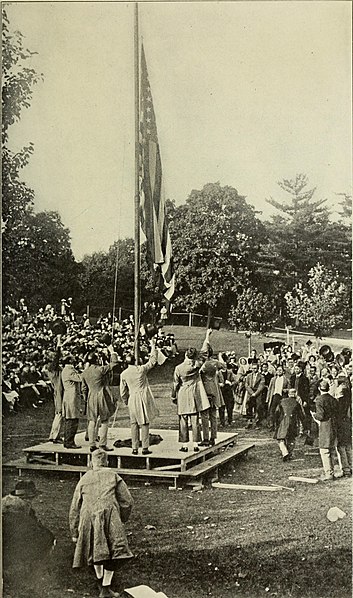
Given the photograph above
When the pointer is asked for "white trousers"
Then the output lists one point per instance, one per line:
(56, 426)
(327, 457)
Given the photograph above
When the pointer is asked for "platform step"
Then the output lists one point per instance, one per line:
(217, 460)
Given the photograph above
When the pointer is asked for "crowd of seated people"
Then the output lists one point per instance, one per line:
(29, 340)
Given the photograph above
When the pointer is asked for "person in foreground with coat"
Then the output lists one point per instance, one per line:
(26, 542)
(136, 393)
(190, 396)
(100, 506)
(326, 417)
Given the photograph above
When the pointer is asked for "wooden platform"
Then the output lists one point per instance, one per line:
(165, 463)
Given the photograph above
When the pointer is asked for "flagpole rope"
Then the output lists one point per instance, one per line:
(116, 267)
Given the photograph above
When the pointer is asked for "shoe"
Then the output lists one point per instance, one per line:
(93, 448)
(107, 592)
(106, 448)
(135, 452)
(71, 446)
(196, 449)
(57, 441)
(285, 458)
(347, 474)
(184, 449)
(86, 438)
(204, 443)
(212, 442)
(146, 451)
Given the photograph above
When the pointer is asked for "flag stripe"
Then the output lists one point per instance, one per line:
(153, 212)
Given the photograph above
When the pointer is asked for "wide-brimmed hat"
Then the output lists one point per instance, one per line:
(25, 489)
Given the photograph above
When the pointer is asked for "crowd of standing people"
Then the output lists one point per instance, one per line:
(286, 393)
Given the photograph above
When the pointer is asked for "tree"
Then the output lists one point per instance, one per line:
(17, 199)
(37, 257)
(101, 269)
(215, 238)
(346, 205)
(301, 236)
(41, 266)
(322, 305)
(253, 311)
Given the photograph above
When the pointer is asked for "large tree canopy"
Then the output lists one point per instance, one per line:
(215, 238)
(303, 234)
(321, 305)
(102, 271)
(253, 311)
(37, 257)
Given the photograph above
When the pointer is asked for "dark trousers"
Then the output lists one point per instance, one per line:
(229, 406)
(184, 435)
(260, 409)
(70, 430)
(275, 401)
(209, 419)
(250, 407)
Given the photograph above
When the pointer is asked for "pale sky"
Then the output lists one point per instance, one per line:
(245, 93)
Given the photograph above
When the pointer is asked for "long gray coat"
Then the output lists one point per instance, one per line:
(326, 414)
(189, 389)
(100, 505)
(135, 391)
(71, 380)
(99, 398)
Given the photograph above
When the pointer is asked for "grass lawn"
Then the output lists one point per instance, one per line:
(211, 543)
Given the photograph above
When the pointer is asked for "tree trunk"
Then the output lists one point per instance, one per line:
(209, 317)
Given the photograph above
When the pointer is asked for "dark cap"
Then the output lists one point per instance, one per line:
(25, 489)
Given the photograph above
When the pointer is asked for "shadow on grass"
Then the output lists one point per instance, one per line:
(230, 571)
(272, 564)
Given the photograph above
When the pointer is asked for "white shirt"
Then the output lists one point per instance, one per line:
(278, 390)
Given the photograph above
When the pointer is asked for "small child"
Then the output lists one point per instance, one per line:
(289, 414)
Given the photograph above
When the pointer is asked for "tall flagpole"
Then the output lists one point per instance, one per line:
(137, 300)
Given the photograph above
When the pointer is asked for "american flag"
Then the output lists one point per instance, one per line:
(153, 213)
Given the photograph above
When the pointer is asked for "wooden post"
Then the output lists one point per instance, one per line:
(120, 313)
(209, 317)
(190, 319)
(87, 311)
(287, 330)
(249, 344)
